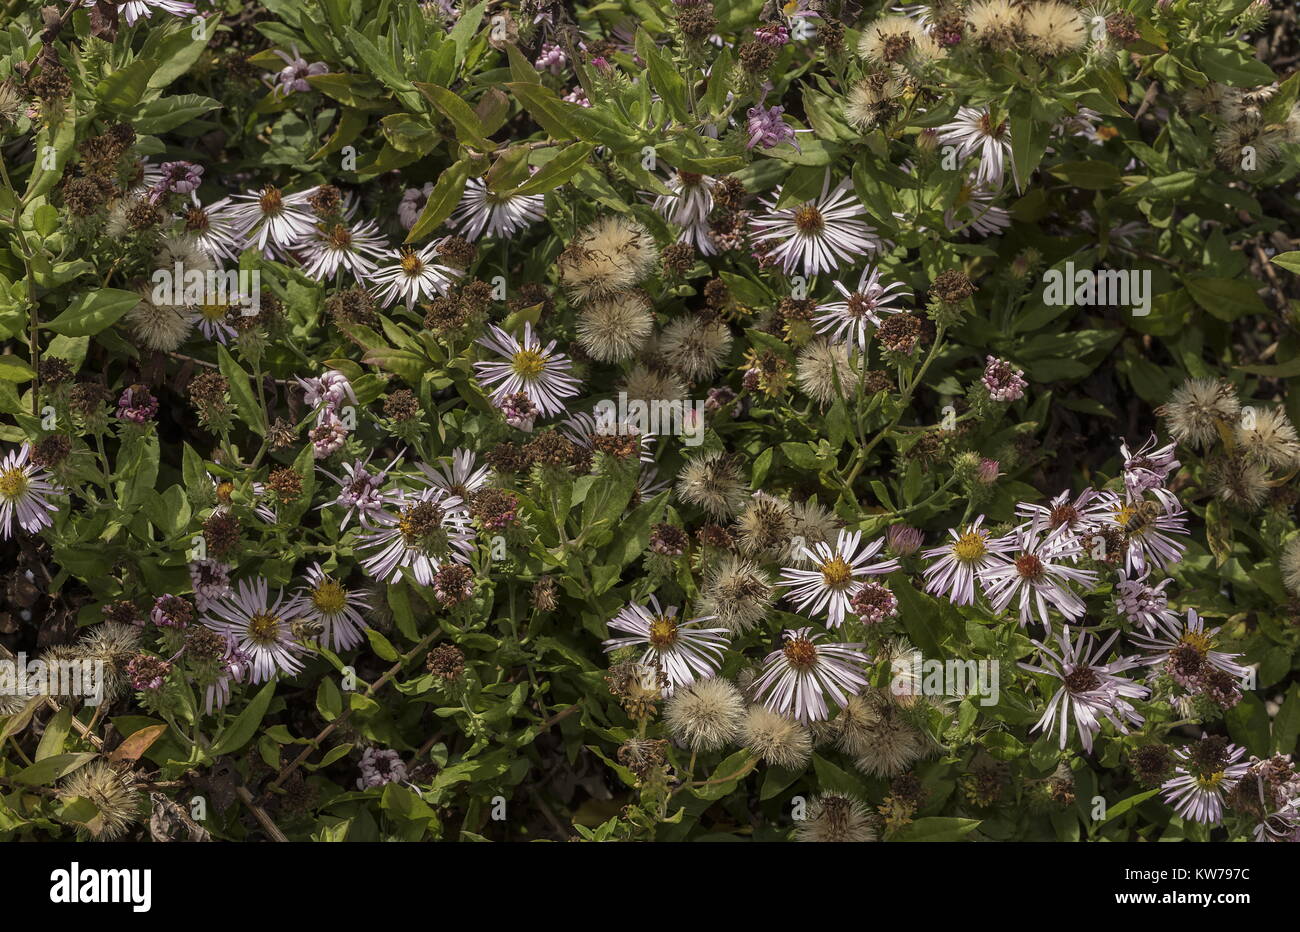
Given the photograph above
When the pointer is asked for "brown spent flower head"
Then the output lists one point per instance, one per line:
(51, 451)
(669, 540)
(545, 594)
(952, 286)
(446, 661)
(679, 258)
(457, 252)
(494, 508)
(221, 532)
(286, 484)
(402, 405)
(354, 305)
(900, 333)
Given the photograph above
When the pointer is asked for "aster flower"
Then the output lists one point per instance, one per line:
(1090, 690)
(816, 236)
(1038, 576)
(412, 276)
(212, 228)
(683, 650)
(482, 210)
(689, 206)
(272, 221)
(848, 320)
(1199, 783)
(1171, 636)
(1148, 525)
(1003, 380)
(973, 131)
(135, 10)
(837, 573)
(972, 553)
(1148, 469)
(648, 483)
(326, 602)
(211, 582)
(1143, 604)
(259, 627)
(766, 128)
(432, 528)
(329, 247)
(25, 493)
(462, 477)
(538, 372)
(974, 212)
(292, 78)
(1072, 518)
(412, 204)
(137, 405)
(797, 678)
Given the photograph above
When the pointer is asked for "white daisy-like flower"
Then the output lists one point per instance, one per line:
(330, 247)
(648, 483)
(25, 491)
(134, 10)
(213, 228)
(539, 372)
(816, 236)
(582, 429)
(326, 602)
(971, 554)
(1090, 690)
(1196, 792)
(432, 528)
(682, 649)
(797, 679)
(1143, 604)
(847, 321)
(410, 276)
(973, 131)
(1148, 525)
(836, 574)
(975, 212)
(1169, 638)
(482, 210)
(412, 204)
(361, 491)
(273, 221)
(1038, 576)
(1149, 468)
(462, 477)
(260, 628)
(688, 207)
(211, 582)
(212, 319)
(1072, 518)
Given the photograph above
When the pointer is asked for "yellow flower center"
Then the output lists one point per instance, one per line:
(329, 597)
(13, 483)
(800, 653)
(411, 263)
(1198, 641)
(663, 632)
(264, 628)
(836, 573)
(808, 219)
(528, 364)
(1210, 781)
(969, 547)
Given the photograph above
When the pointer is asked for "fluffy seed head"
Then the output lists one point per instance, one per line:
(713, 482)
(114, 794)
(1195, 411)
(778, 740)
(613, 328)
(1053, 28)
(738, 593)
(835, 817)
(706, 715)
(695, 346)
(611, 255)
(821, 363)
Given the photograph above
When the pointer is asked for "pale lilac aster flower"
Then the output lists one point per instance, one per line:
(552, 58)
(171, 611)
(500, 215)
(234, 667)
(292, 78)
(957, 565)
(380, 767)
(410, 276)
(260, 627)
(578, 96)
(134, 10)
(837, 573)
(361, 492)
(538, 372)
(688, 207)
(1090, 690)
(797, 679)
(24, 493)
(328, 436)
(1037, 576)
(213, 228)
(1171, 636)
(683, 650)
(1143, 604)
(1149, 525)
(1003, 380)
(137, 405)
(974, 212)
(766, 128)
(431, 529)
(325, 394)
(177, 178)
(973, 131)
(463, 476)
(848, 321)
(904, 540)
(1072, 518)
(1199, 796)
(331, 247)
(210, 580)
(412, 204)
(272, 221)
(325, 601)
(1149, 468)
(816, 236)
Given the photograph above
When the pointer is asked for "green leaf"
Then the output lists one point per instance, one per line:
(465, 121)
(558, 170)
(239, 732)
(937, 828)
(93, 311)
(241, 391)
(1233, 67)
(13, 369)
(442, 201)
(45, 772)
(1226, 298)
